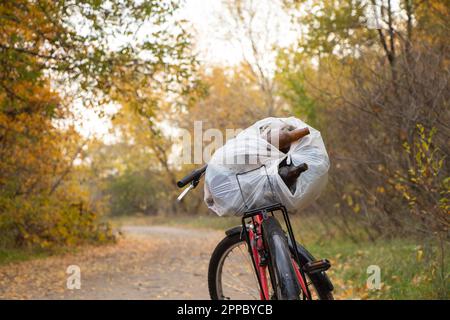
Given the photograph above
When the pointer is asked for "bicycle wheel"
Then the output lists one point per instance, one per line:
(285, 280)
(231, 275)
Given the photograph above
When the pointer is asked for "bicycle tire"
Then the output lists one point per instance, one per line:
(231, 240)
(285, 282)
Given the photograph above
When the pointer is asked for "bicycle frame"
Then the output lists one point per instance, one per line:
(255, 244)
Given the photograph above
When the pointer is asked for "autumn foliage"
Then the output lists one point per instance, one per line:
(45, 64)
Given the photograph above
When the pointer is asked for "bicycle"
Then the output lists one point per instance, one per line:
(259, 249)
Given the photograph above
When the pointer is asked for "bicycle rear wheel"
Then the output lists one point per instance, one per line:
(284, 279)
(231, 275)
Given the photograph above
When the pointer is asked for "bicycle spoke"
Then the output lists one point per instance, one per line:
(235, 276)
(238, 274)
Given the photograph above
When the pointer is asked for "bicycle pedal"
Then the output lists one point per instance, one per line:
(317, 266)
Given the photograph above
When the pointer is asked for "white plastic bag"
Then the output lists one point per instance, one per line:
(249, 151)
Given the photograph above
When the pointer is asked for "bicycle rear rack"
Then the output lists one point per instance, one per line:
(250, 213)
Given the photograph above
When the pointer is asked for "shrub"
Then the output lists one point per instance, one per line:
(45, 222)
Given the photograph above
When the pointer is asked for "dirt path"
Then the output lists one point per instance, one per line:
(151, 262)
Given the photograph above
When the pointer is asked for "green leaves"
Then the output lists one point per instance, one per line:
(90, 47)
(331, 27)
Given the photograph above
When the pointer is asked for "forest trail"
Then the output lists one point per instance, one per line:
(149, 262)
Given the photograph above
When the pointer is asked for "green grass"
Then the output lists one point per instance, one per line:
(16, 255)
(405, 272)
(408, 270)
(13, 255)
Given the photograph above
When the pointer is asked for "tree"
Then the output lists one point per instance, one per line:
(75, 43)
(254, 25)
(370, 89)
(52, 52)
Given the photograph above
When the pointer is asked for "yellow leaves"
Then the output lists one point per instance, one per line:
(49, 222)
(36, 155)
(380, 189)
(425, 175)
(355, 206)
(421, 129)
(419, 255)
(349, 200)
(407, 147)
(29, 19)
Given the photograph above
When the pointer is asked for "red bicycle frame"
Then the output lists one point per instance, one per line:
(257, 247)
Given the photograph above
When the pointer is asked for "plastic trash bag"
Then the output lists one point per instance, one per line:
(243, 174)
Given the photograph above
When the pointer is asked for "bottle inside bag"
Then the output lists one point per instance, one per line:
(282, 155)
(283, 137)
(289, 173)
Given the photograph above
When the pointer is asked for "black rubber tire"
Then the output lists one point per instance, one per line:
(285, 281)
(323, 289)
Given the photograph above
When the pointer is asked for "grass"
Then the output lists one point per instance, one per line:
(405, 271)
(408, 269)
(12, 255)
(16, 255)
